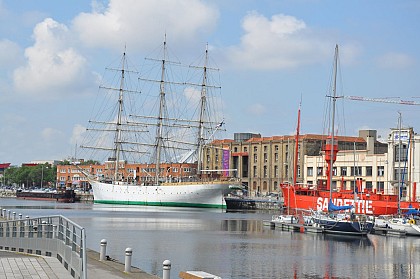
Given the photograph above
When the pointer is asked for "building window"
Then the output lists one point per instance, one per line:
(298, 153)
(400, 174)
(369, 185)
(309, 171)
(334, 171)
(319, 171)
(216, 158)
(265, 171)
(276, 147)
(368, 171)
(254, 171)
(356, 171)
(380, 186)
(276, 171)
(298, 171)
(265, 157)
(276, 157)
(235, 149)
(343, 171)
(400, 152)
(381, 170)
(255, 149)
(265, 148)
(255, 158)
(245, 149)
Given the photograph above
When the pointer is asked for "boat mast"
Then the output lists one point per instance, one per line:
(296, 149)
(118, 127)
(203, 105)
(162, 106)
(399, 163)
(334, 98)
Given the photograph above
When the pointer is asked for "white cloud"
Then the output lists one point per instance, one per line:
(141, 24)
(393, 60)
(280, 42)
(50, 134)
(256, 109)
(9, 54)
(53, 68)
(77, 134)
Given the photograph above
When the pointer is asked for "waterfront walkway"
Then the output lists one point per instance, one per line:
(23, 266)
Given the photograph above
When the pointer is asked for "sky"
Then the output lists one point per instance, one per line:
(272, 54)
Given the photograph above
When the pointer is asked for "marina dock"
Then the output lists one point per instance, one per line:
(312, 229)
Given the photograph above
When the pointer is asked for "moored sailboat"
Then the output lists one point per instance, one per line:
(348, 222)
(203, 188)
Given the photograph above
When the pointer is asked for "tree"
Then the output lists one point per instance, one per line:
(43, 175)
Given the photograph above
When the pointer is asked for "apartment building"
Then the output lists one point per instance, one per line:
(262, 163)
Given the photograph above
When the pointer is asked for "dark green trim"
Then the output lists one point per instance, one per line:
(173, 204)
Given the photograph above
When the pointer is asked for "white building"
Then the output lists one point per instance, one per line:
(376, 172)
(404, 158)
(349, 167)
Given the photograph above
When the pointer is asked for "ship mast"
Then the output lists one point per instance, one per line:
(118, 127)
(203, 105)
(162, 106)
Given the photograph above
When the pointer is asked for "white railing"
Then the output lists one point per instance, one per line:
(52, 236)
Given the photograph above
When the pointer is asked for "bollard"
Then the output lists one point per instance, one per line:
(166, 269)
(4, 213)
(8, 214)
(14, 215)
(20, 215)
(128, 254)
(102, 254)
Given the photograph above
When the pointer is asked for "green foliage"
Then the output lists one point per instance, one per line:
(31, 176)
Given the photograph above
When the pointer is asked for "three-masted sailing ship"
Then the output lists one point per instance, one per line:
(173, 134)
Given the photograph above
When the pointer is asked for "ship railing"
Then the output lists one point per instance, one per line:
(51, 236)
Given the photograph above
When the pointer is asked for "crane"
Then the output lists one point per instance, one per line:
(381, 100)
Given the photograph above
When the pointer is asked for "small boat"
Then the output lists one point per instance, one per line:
(285, 219)
(410, 225)
(343, 223)
(66, 196)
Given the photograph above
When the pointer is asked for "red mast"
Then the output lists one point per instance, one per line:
(296, 149)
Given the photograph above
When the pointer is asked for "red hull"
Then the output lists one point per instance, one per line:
(367, 203)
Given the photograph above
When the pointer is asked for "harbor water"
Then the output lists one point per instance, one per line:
(232, 245)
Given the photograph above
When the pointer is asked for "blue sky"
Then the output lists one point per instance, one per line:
(272, 55)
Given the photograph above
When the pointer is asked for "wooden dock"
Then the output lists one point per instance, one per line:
(388, 232)
(293, 227)
(314, 229)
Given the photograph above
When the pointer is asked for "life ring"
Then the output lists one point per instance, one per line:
(411, 221)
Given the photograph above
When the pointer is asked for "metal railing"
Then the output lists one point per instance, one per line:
(52, 236)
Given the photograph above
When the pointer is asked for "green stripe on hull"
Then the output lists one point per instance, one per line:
(173, 204)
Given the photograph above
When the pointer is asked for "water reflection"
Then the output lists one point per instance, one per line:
(231, 245)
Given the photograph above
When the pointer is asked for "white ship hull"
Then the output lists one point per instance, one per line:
(192, 194)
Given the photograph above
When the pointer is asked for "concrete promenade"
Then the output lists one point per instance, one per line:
(23, 266)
